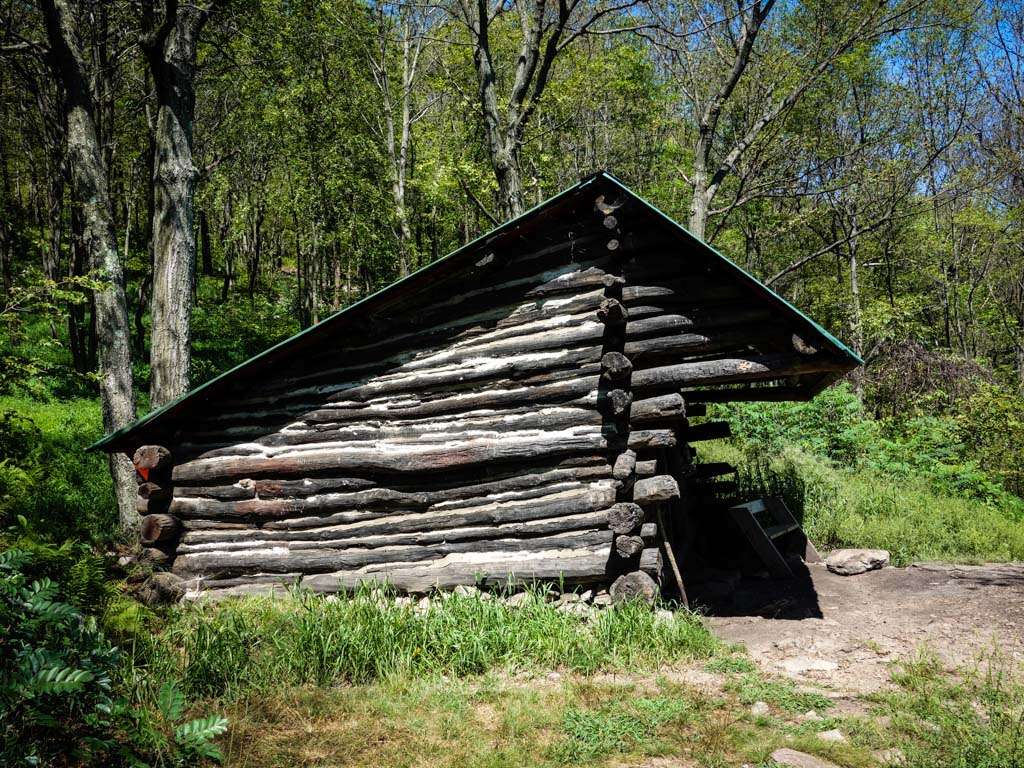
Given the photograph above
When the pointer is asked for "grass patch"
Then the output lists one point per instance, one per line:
(624, 723)
(974, 719)
(222, 650)
(781, 693)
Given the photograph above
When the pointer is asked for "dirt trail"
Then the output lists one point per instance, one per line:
(844, 632)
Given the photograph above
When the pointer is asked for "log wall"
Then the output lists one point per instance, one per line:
(529, 425)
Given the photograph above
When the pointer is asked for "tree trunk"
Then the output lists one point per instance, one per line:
(90, 183)
(171, 53)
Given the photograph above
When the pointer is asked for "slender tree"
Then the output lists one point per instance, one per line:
(170, 41)
(91, 192)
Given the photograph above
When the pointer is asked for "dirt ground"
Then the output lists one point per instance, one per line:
(845, 632)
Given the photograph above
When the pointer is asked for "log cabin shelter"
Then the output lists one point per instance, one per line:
(528, 408)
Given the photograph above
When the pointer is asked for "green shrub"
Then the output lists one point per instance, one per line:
(68, 696)
(46, 476)
(55, 685)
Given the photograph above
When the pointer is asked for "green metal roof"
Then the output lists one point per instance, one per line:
(115, 438)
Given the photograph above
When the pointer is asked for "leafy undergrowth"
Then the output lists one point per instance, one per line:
(866, 508)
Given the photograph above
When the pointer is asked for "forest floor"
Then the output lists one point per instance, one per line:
(845, 632)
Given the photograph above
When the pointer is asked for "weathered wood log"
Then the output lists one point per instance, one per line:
(696, 409)
(625, 463)
(648, 351)
(628, 546)
(155, 529)
(624, 517)
(569, 567)
(650, 490)
(653, 409)
(334, 538)
(618, 401)
(156, 557)
(643, 439)
(637, 585)
(612, 312)
(687, 290)
(391, 457)
(152, 463)
(709, 430)
(439, 430)
(712, 469)
(615, 367)
(426, 490)
(756, 393)
(154, 492)
(647, 468)
(152, 506)
(377, 502)
(661, 317)
(277, 559)
(731, 370)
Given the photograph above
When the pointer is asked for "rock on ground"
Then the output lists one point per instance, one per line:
(794, 759)
(850, 562)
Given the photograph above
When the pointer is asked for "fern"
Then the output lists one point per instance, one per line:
(201, 730)
(170, 701)
(61, 680)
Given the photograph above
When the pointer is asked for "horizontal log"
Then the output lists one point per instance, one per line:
(643, 439)
(757, 393)
(651, 490)
(155, 529)
(687, 290)
(647, 468)
(625, 463)
(612, 312)
(731, 370)
(624, 517)
(581, 385)
(571, 501)
(154, 492)
(616, 402)
(628, 546)
(712, 469)
(333, 538)
(709, 430)
(645, 351)
(615, 366)
(382, 500)
(152, 463)
(395, 458)
(490, 424)
(575, 567)
(277, 559)
(657, 408)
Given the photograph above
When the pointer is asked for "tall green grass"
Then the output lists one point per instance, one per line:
(224, 649)
(864, 508)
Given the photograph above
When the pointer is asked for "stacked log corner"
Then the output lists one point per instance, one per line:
(159, 531)
(635, 561)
